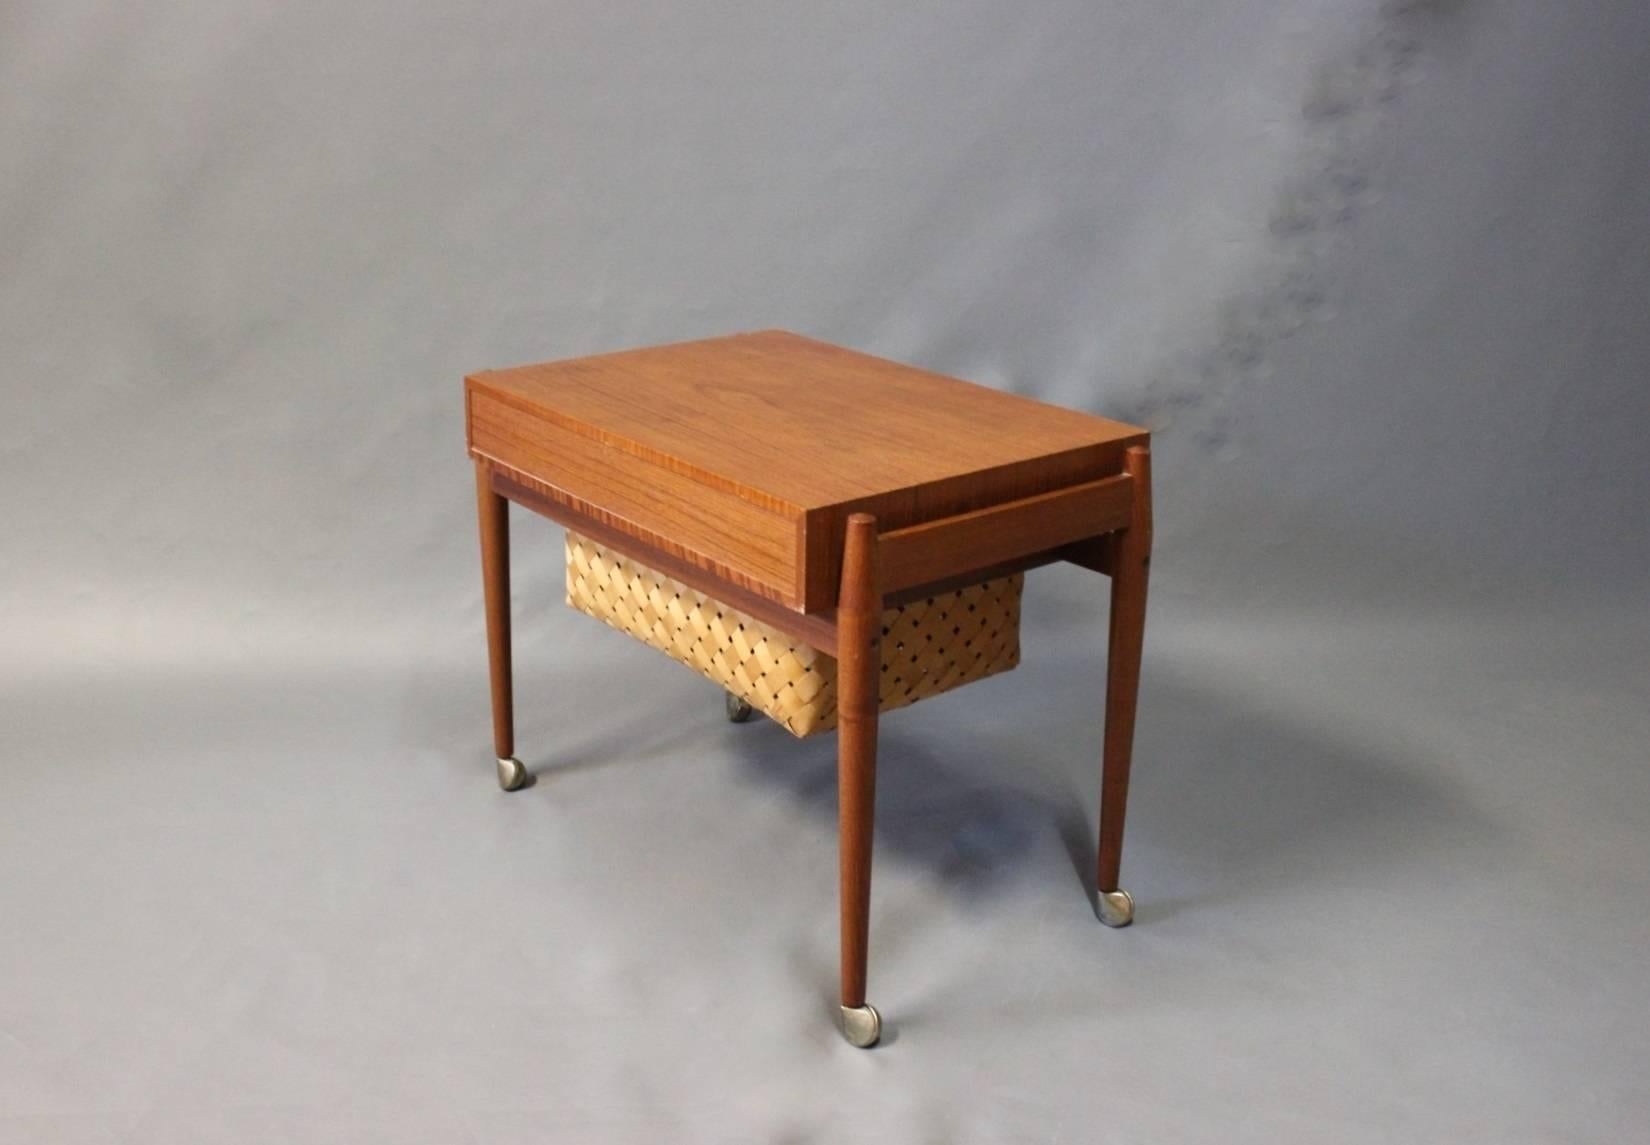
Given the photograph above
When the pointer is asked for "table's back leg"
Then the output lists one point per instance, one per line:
(1131, 552)
(493, 512)
(859, 663)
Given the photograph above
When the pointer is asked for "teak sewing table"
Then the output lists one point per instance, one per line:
(810, 487)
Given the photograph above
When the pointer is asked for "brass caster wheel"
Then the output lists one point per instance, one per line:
(1116, 908)
(512, 776)
(861, 1025)
(738, 710)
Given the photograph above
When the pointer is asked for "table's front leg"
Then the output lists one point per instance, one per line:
(1131, 560)
(493, 512)
(859, 671)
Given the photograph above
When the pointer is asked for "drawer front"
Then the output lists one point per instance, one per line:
(710, 528)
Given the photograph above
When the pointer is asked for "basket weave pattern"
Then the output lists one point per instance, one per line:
(928, 646)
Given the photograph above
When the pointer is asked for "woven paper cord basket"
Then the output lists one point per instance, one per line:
(928, 646)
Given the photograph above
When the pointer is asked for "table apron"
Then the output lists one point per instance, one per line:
(1074, 525)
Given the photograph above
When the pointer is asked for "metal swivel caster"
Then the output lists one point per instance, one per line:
(738, 710)
(512, 776)
(861, 1025)
(1116, 908)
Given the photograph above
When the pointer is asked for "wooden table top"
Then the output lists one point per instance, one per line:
(744, 455)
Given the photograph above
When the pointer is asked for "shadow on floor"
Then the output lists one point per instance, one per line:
(972, 785)
(1238, 795)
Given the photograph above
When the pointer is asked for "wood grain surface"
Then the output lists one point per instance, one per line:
(746, 454)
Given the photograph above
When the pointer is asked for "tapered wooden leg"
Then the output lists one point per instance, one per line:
(1131, 551)
(493, 513)
(859, 661)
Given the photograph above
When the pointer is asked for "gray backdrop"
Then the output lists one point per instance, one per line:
(1376, 272)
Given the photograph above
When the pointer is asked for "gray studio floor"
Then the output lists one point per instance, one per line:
(1392, 875)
